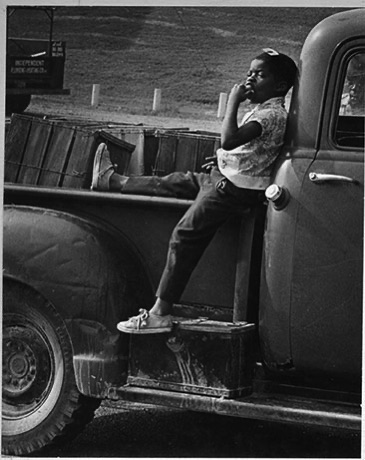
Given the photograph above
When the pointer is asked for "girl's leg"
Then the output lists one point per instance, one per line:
(175, 185)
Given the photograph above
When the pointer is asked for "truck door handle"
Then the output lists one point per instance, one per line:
(319, 177)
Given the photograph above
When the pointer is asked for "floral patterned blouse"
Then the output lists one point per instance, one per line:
(250, 165)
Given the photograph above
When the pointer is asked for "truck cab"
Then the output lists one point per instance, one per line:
(270, 324)
(309, 319)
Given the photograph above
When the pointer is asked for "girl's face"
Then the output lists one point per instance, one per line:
(262, 82)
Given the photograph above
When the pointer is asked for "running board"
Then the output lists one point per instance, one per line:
(269, 407)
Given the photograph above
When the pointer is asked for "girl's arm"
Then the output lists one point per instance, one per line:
(232, 136)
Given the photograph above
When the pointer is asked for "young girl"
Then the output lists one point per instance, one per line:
(244, 165)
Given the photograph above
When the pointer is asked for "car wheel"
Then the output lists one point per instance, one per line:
(40, 399)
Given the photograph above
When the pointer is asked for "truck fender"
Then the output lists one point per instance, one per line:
(92, 276)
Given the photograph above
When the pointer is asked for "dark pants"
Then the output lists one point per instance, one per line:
(174, 185)
(216, 200)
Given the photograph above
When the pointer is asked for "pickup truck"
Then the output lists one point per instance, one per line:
(270, 324)
(33, 65)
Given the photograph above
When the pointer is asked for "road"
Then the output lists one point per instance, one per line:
(124, 430)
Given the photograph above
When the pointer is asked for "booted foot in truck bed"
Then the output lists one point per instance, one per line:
(146, 323)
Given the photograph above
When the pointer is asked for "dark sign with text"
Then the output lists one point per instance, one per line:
(29, 66)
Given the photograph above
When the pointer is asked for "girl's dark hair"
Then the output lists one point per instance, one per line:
(281, 65)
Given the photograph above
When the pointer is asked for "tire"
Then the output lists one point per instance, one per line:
(40, 400)
(16, 103)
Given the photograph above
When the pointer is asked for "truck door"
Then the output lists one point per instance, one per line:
(327, 277)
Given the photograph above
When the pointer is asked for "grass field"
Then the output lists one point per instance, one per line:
(191, 54)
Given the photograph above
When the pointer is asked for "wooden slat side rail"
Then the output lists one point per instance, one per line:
(15, 144)
(35, 151)
(56, 156)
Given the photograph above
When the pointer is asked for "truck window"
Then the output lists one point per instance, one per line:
(350, 123)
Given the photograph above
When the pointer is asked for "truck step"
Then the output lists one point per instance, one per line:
(199, 356)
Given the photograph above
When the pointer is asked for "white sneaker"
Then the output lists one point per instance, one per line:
(146, 323)
(103, 169)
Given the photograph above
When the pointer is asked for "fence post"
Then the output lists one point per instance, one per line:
(156, 100)
(222, 105)
(95, 95)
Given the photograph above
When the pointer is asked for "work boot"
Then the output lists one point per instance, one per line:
(103, 169)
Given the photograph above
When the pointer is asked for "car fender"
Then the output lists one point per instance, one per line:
(92, 276)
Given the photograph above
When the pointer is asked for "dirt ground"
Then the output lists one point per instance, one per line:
(202, 118)
(200, 121)
(126, 430)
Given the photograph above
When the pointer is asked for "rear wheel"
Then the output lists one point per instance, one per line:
(40, 399)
